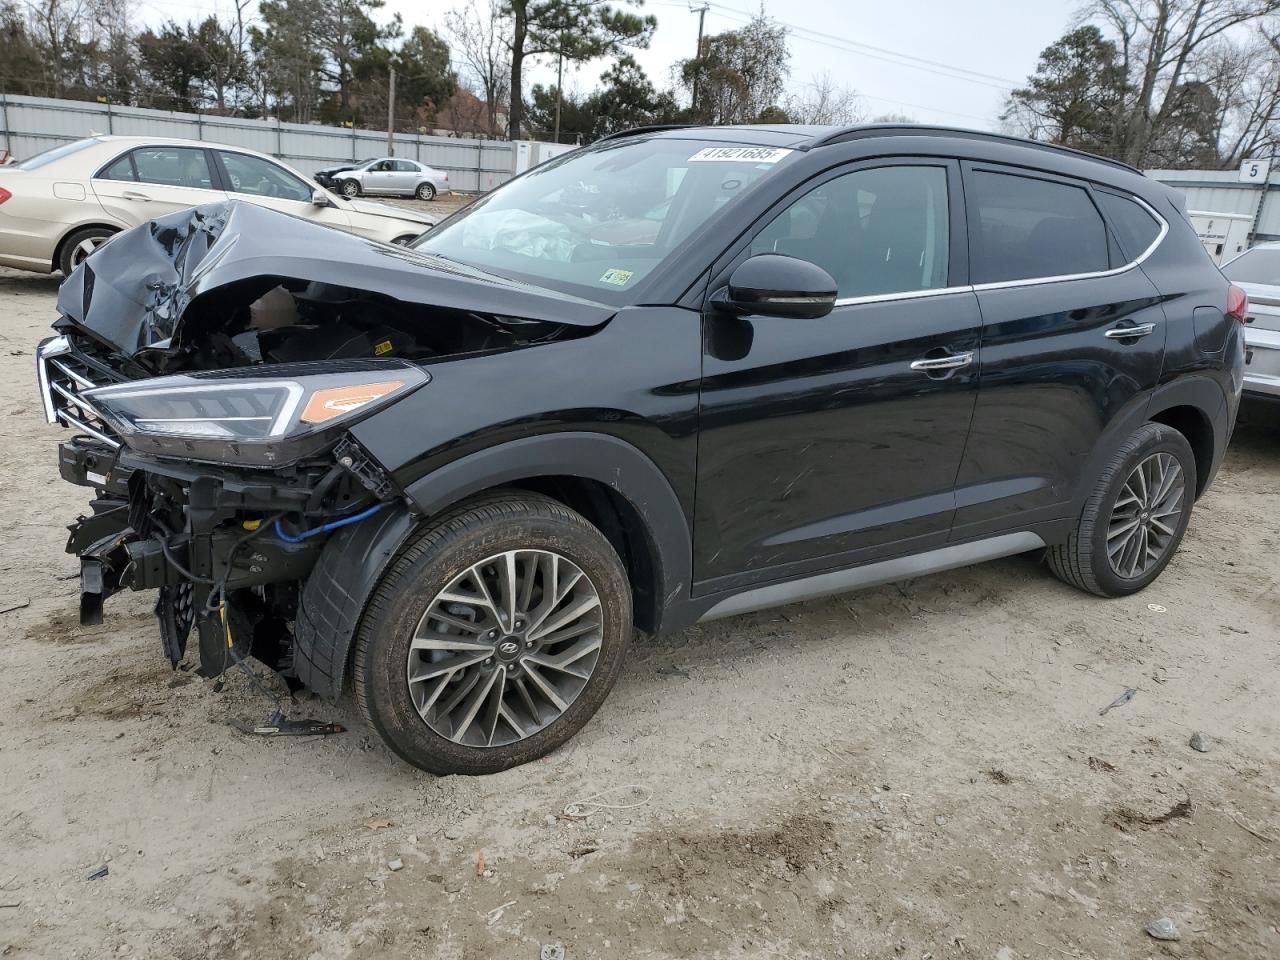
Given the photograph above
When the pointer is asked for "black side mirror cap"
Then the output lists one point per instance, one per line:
(775, 285)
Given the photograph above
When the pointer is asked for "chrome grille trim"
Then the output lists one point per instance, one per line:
(63, 372)
(72, 421)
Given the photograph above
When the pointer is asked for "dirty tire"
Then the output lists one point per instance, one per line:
(471, 532)
(425, 191)
(78, 246)
(1082, 561)
(349, 188)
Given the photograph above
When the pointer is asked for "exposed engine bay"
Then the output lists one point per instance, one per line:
(211, 373)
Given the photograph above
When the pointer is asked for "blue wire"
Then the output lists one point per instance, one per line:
(326, 527)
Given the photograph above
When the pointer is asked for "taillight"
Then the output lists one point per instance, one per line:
(1237, 304)
(4, 194)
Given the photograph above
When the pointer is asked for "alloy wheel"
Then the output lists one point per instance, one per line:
(1146, 516)
(82, 250)
(505, 648)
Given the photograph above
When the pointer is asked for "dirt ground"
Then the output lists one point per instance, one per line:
(919, 771)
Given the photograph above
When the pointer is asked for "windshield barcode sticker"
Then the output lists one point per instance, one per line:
(741, 154)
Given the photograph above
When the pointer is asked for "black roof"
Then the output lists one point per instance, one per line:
(809, 137)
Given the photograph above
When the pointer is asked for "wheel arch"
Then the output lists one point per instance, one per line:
(58, 247)
(612, 483)
(1197, 408)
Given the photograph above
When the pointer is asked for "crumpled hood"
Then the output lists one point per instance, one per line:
(133, 291)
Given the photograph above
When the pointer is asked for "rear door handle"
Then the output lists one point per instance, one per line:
(1132, 332)
(142, 197)
(953, 362)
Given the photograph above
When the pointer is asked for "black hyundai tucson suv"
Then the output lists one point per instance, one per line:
(681, 374)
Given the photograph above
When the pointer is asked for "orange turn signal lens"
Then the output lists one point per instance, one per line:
(336, 401)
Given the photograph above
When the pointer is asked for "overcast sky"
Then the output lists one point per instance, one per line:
(967, 55)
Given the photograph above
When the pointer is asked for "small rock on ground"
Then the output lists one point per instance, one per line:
(1201, 742)
(1163, 929)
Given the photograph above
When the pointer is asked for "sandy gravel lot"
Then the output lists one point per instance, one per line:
(919, 771)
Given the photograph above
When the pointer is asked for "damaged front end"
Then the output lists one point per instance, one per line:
(211, 364)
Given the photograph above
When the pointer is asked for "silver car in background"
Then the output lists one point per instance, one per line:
(1257, 272)
(392, 176)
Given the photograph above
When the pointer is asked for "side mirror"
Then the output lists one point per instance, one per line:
(775, 285)
(320, 198)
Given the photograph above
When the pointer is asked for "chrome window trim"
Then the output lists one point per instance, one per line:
(1028, 281)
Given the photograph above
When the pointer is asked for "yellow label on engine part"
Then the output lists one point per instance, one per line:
(384, 347)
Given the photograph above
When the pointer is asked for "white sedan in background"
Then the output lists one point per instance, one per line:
(1257, 272)
(389, 176)
(59, 206)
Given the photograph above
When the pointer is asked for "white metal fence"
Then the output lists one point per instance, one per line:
(29, 125)
(1223, 191)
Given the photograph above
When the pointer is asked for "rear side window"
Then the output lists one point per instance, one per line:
(173, 167)
(122, 169)
(406, 166)
(1134, 227)
(1028, 228)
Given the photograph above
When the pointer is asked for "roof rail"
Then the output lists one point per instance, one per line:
(651, 128)
(868, 130)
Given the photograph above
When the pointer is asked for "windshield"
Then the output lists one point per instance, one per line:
(595, 222)
(56, 153)
(1258, 265)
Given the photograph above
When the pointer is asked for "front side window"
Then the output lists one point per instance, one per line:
(1259, 265)
(596, 222)
(173, 167)
(1027, 228)
(877, 231)
(382, 166)
(262, 178)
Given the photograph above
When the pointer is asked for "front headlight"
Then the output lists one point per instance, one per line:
(252, 416)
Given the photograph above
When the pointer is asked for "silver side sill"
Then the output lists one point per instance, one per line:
(874, 574)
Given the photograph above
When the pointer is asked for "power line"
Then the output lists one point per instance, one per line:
(895, 57)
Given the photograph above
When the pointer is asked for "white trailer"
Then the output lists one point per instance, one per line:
(530, 153)
(1224, 235)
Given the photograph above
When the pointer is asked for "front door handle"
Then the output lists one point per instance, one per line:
(141, 197)
(1131, 332)
(932, 364)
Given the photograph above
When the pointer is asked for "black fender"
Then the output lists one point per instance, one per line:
(336, 592)
(352, 562)
(1203, 393)
(606, 459)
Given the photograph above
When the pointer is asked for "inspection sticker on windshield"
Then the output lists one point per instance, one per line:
(616, 277)
(741, 154)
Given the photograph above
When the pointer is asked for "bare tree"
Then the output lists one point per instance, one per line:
(823, 101)
(483, 38)
(1159, 42)
(56, 25)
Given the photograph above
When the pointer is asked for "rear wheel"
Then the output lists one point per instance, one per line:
(78, 247)
(350, 188)
(425, 191)
(1135, 517)
(494, 637)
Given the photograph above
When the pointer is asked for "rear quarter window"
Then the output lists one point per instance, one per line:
(1134, 227)
(1024, 228)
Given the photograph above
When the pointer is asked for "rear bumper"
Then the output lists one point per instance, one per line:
(1262, 363)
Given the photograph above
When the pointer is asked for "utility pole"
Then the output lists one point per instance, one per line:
(702, 17)
(559, 84)
(391, 115)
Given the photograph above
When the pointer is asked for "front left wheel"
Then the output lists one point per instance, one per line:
(494, 637)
